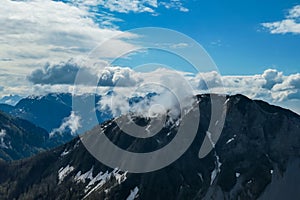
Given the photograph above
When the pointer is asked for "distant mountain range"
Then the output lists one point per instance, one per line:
(49, 111)
(46, 111)
(28, 124)
(256, 157)
(10, 100)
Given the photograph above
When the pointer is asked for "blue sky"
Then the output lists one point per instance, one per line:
(231, 32)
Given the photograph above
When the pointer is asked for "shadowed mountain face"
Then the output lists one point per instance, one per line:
(257, 156)
(20, 138)
(47, 111)
(50, 111)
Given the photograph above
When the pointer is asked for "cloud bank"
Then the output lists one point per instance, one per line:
(123, 83)
(272, 85)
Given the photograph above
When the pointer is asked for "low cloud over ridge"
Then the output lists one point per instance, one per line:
(272, 85)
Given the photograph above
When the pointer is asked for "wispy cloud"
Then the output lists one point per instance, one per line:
(126, 6)
(69, 125)
(179, 45)
(216, 43)
(174, 4)
(133, 6)
(290, 24)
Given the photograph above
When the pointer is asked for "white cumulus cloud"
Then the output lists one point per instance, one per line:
(118, 76)
(290, 24)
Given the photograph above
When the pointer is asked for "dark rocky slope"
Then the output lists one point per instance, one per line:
(20, 138)
(257, 156)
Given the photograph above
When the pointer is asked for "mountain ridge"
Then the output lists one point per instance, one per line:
(257, 146)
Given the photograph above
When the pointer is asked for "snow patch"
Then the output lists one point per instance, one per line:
(133, 194)
(2, 143)
(230, 140)
(218, 161)
(237, 175)
(177, 123)
(102, 178)
(216, 170)
(63, 172)
(213, 176)
(119, 177)
(82, 177)
(227, 100)
(210, 139)
(201, 177)
(66, 152)
(76, 144)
